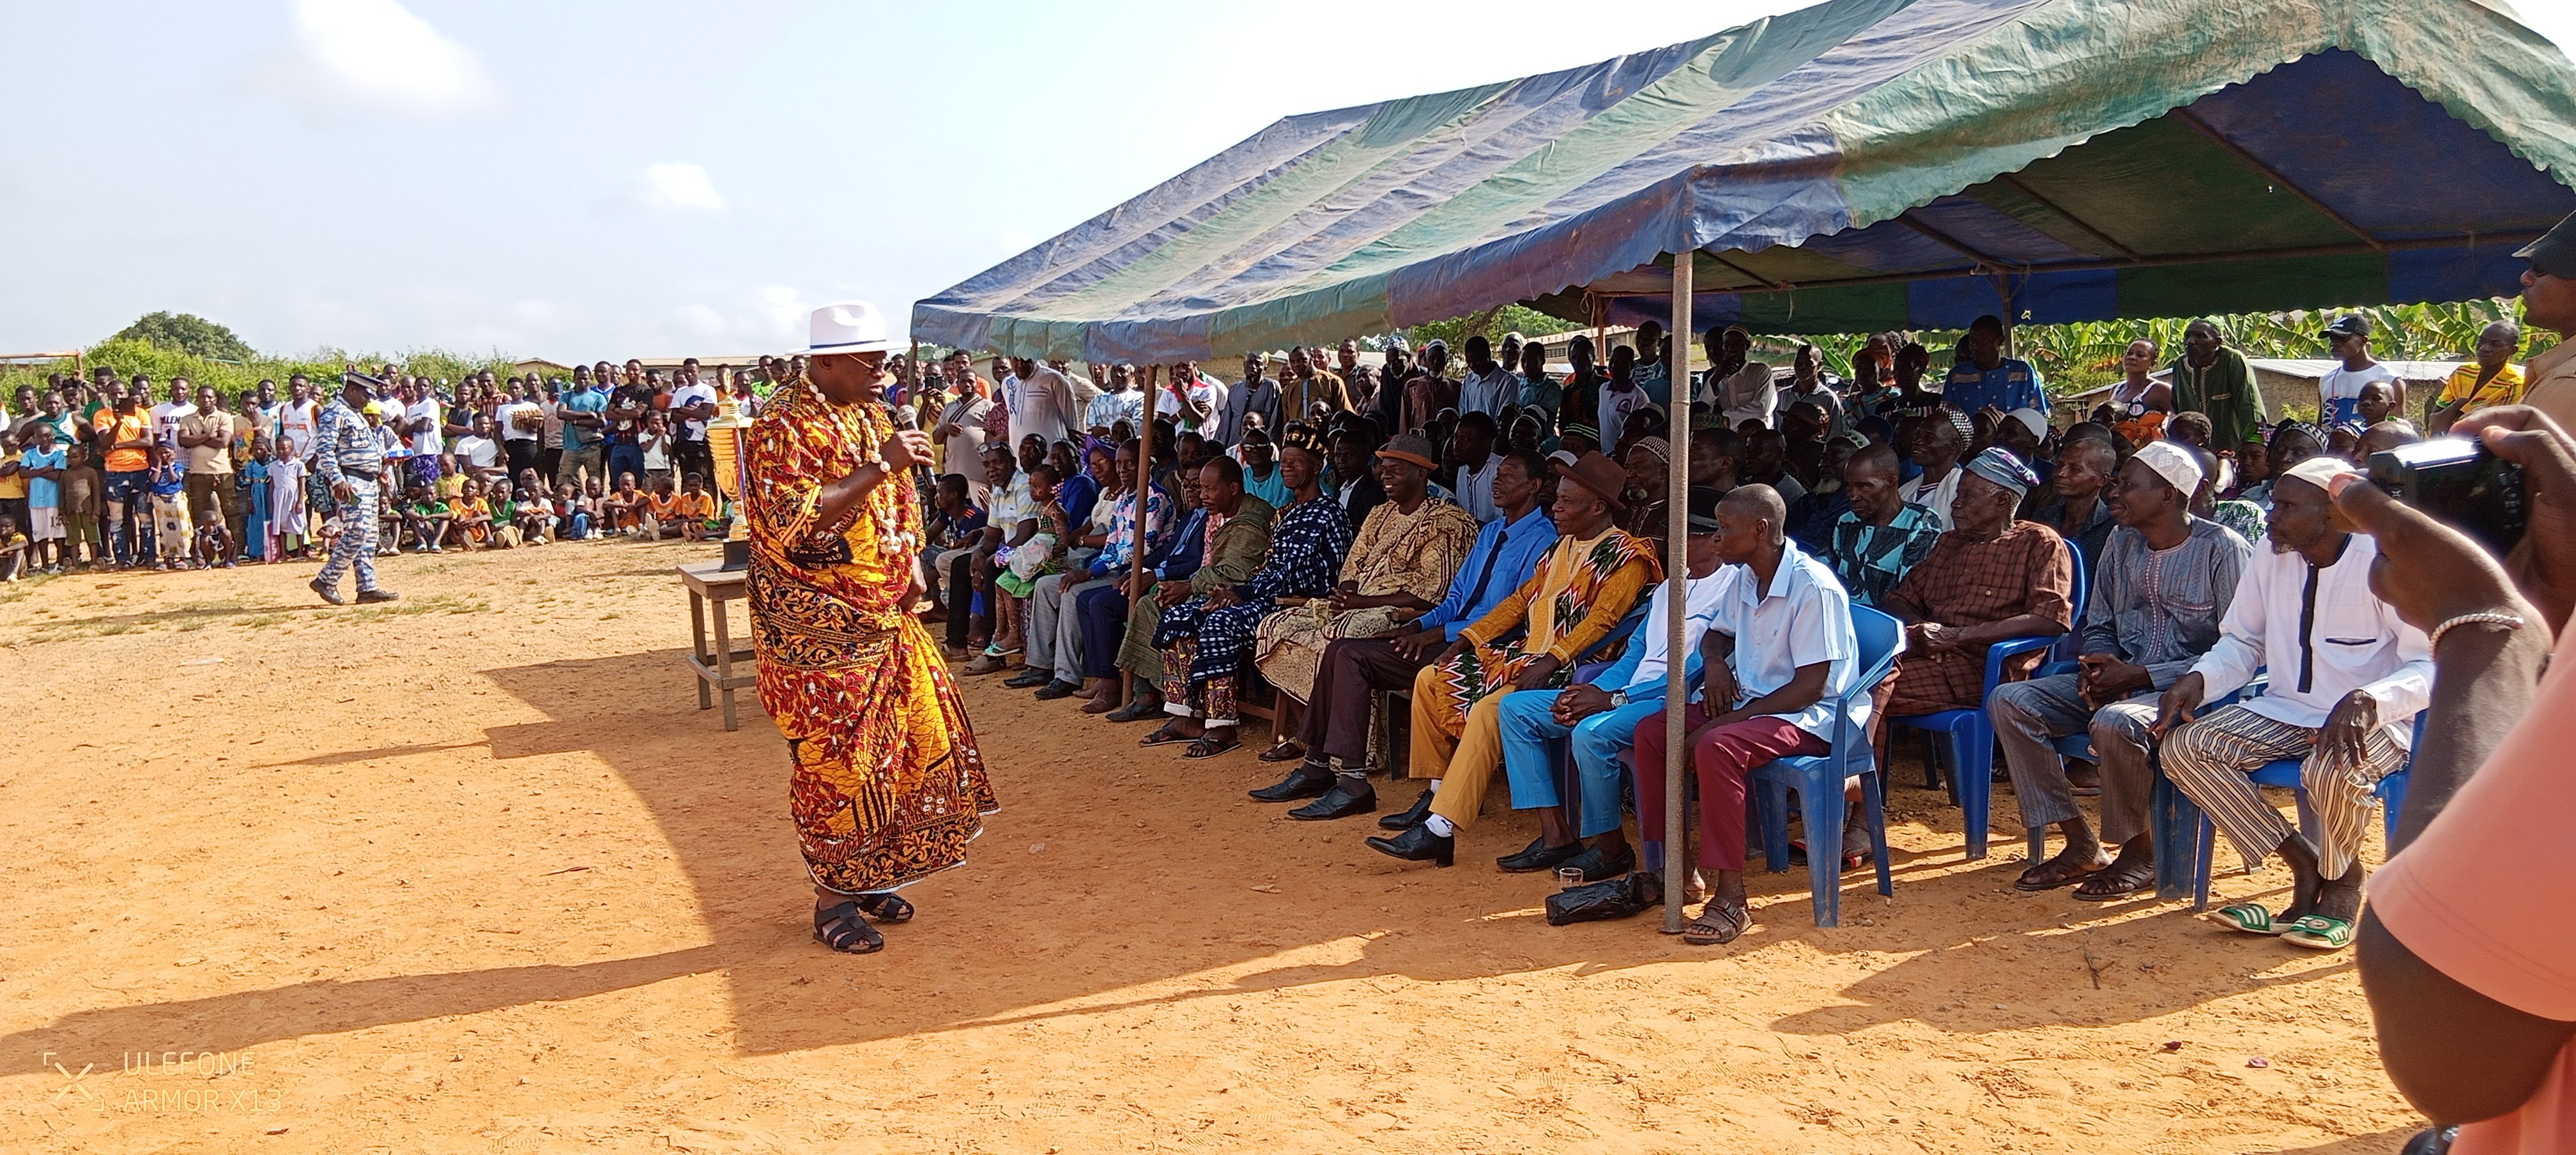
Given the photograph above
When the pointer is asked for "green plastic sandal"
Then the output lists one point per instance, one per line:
(2319, 932)
(2249, 917)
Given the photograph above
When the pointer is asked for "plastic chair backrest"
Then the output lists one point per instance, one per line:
(1623, 631)
(1878, 637)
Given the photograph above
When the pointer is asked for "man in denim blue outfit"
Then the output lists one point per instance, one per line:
(1601, 714)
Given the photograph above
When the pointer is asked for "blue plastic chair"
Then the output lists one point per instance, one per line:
(1968, 736)
(2284, 773)
(2170, 816)
(1819, 779)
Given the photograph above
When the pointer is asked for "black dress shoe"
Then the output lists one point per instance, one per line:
(1419, 844)
(1538, 855)
(1412, 815)
(1339, 802)
(1598, 866)
(1027, 678)
(1306, 781)
(1054, 690)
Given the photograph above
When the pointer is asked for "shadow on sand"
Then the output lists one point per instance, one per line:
(1093, 839)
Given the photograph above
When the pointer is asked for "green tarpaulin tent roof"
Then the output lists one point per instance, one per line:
(1856, 165)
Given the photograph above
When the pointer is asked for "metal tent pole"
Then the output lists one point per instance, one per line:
(1144, 487)
(1677, 596)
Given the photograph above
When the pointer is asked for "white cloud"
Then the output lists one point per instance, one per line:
(768, 318)
(678, 187)
(375, 56)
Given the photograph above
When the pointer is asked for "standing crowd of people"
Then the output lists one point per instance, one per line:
(118, 473)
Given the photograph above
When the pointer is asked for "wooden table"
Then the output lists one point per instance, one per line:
(709, 582)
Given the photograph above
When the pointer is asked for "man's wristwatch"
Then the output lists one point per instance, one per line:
(1618, 698)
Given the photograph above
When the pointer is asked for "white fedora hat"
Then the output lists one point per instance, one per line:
(848, 327)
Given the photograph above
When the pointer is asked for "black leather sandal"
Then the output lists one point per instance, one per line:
(841, 929)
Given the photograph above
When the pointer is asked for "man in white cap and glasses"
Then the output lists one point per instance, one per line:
(2164, 582)
(2348, 678)
(888, 786)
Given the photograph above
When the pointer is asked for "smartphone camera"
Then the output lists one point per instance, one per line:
(2459, 483)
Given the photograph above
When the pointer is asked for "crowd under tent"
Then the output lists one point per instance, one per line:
(1858, 165)
(1862, 164)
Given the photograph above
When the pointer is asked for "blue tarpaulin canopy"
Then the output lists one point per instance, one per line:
(1857, 165)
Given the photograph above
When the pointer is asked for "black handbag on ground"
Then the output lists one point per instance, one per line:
(1602, 901)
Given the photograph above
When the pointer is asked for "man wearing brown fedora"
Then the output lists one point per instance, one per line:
(1583, 587)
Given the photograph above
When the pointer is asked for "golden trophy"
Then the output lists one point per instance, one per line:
(725, 433)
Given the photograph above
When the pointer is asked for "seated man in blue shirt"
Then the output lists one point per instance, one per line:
(1601, 715)
(1506, 554)
(1984, 378)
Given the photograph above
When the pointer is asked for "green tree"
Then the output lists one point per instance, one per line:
(1493, 323)
(186, 333)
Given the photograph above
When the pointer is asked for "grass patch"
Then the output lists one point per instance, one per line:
(434, 604)
(181, 618)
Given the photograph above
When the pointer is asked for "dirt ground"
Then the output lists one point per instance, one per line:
(473, 874)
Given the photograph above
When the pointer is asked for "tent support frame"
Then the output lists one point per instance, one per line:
(1677, 602)
(2516, 239)
(2015, 183)
(2273, 177)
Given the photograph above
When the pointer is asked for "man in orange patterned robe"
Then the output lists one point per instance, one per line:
(887, 786)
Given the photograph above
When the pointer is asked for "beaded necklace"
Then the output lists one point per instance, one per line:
(883, 507)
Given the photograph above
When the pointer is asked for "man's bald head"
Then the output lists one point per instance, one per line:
(1876, 456)
(1758, 501)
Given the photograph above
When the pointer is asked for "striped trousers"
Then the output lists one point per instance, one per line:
(2209, 760)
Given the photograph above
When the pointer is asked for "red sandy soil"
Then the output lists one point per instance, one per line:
(476, 876)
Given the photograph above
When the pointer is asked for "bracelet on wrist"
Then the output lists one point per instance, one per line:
(2509, 622)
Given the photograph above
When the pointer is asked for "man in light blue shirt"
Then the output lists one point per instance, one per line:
(1490, 385)
(1471, 450)
(1506, 553)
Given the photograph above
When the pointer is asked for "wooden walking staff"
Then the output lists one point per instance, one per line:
(1677, 598)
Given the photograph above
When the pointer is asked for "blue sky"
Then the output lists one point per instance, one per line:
(584, 179)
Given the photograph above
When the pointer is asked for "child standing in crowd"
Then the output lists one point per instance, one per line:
(42, 464)
(171, 534)
(657, 451)
(80, 510)
(252, 478)
(287, 516)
